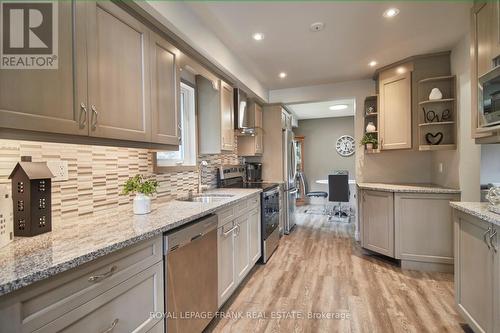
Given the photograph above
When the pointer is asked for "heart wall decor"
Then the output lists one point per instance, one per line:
(434, 139)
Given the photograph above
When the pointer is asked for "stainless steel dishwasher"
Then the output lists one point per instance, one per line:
(191, 276)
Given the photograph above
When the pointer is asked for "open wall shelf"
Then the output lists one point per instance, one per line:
(432, 126)
(371, 116)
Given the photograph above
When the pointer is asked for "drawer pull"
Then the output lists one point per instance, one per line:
(95, 278)
(493, 234)
(485, 237)
(225, 234)
(112, 327)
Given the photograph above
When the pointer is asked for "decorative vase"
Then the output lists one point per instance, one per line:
(142, 204)
(370, 128)
(369, 146)
(435, 94)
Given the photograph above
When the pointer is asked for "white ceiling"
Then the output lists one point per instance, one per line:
(321, 109)
(354, 34)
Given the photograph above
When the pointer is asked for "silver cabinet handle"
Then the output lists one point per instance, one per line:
(238, 229)
(179, 126)
(225, 234)
(95, 278)
(493, 234)
(111, 327)
(484, 237)
(83, 111)
(94, 117)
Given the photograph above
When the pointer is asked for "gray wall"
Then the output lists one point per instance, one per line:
(321, 158)
(490, 163)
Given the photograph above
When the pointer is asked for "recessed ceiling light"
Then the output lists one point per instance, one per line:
(391, 12)
(373, 63)
(282, 75)
(317, 26)
(258, 36)
(338, 107)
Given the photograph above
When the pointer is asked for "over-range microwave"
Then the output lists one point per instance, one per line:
(489, 98)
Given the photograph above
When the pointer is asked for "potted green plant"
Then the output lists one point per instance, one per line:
(369, 141)
(143, 189)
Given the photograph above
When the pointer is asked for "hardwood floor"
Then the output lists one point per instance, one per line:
(320, 270)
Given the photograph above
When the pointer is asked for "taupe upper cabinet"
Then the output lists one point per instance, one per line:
(52, 105)
(227, 116)
(165, 88)
(485, 47)
(119, 82)
(216, 113)
(395, 111)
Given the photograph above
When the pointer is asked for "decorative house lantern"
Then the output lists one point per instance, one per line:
(31, 196)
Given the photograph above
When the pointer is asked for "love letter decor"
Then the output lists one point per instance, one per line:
(434, 139)
(431, 116)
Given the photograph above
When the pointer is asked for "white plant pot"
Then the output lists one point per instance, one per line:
(142, 204)
(369, 146)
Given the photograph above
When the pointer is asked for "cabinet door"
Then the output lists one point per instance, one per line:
(254, 227)
(225, 262)
(242, 248)
(258, 116)
(424, 227)
(119, 81)
(474, 273)
(259, 142)
(165, 90)
(495, 240)
(378, 222)
(227, 116)
(395, 112)
(486, 26)
(48, 100)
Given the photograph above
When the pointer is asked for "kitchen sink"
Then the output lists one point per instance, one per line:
(207, 198)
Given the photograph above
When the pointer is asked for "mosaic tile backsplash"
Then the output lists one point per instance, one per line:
(96, 173)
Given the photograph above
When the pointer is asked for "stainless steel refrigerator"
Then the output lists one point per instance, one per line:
(289, 175)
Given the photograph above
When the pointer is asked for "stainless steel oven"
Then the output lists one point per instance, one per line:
(489, 98)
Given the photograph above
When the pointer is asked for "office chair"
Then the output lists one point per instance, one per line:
(338, 188)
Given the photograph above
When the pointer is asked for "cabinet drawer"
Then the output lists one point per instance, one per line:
(226, 215)
(254, 202)
(241, 207)
(124, 308)
(39, 305)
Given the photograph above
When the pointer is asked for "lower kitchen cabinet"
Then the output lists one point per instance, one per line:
(238, 245)
(416, 228)
(117, 291)
(226, 262)
(242, 248)
(424, 227)
(254, 229)
(477, 272)
(378, 221)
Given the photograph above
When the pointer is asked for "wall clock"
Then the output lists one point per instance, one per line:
(345, 145)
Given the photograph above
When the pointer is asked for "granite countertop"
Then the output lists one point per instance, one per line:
(78, 240)
(477, 209)
(408, 188)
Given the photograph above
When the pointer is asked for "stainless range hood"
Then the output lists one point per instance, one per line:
(242, 120)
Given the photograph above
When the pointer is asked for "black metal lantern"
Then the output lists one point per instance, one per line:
(31, 196)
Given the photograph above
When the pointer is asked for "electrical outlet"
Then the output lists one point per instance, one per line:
(59, 169)
(440, 167)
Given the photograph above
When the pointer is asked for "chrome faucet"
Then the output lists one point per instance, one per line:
(200, 174)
